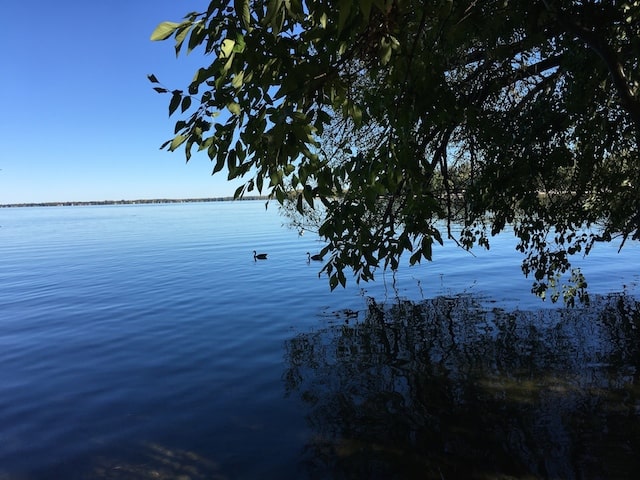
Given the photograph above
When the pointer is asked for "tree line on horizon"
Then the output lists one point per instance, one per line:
(131, 202)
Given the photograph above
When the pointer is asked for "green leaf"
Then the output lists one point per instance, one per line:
(231, 164)
(187, 149)
(175, 101)
(201, 75)
(226, 67)
(427, 251)
(198, 34)
(164, 31)
(323, 20)
(177, 141)
(186, 103)
(180, 124)
(308, 195)
(243, 12)
(275, 178)
(240, 44)
(238, 80)
(219, 162)
(385, 51)
(226, 48)
(181, 34)
(239, 192)
(234, 108)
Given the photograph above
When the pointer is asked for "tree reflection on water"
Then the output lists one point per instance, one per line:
(447, 388)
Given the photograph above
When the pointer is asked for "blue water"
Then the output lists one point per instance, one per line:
(137, 335)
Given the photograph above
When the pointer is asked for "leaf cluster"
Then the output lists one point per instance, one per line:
(392, 116)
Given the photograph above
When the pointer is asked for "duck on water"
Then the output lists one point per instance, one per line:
(259, 256)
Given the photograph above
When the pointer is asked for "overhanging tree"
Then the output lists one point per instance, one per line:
(392, 116)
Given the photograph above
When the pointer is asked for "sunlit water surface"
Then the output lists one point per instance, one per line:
(144, 341)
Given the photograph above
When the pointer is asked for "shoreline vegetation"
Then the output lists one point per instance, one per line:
(131, 202)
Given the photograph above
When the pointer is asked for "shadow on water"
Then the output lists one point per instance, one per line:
(447, 389)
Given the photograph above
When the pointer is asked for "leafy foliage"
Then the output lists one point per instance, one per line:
(395, 115)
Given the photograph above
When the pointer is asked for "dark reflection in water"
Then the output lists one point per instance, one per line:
(448, 389)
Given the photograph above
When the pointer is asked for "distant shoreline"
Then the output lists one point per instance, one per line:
(131, 202)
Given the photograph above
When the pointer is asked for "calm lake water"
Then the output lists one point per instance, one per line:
(144, 341)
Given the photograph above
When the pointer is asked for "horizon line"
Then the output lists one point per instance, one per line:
(131, 202)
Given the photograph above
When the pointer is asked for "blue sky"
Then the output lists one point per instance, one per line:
(79, 119)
